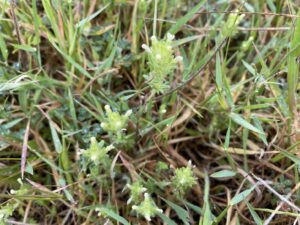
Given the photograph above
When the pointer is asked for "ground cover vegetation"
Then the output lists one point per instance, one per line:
(149, 112)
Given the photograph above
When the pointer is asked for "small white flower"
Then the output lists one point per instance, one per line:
(153, 38)
(128, 113)
(129, 200)
(158, 56)
(148, 218)
(144, 189)
(179, 58)
(110, 147)
(93, 157)
(190, 164)
(170, 37)
(146, 48)
(107, 108)
(118, 124)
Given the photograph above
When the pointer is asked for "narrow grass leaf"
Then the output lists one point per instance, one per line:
(67, 193)
(219, 218)
(223, 174)
(24, 149)
(244, 123)
(195, 208)
(291, 156)
(71, 60)
(182, 21)
(55, 138)
(12, 123)
(185, 40)
(241, 196)
(114, 215)
(249, 68)
(166, 219)
(51, 164)
(92, 16)
(26, 48)
(293, 69)
(181, 212)
(3, 48)
(207, 217)
(255, 216)
(29, 168)
(257, 123)
(219, 78)
(72, 108)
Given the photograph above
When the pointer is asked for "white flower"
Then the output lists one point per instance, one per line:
(179, 58)
(147, 208)
(153, 38)
(158, 56)
(146, 48)
(170, 37)
(128, 113)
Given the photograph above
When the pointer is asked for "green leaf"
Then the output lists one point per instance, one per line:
(67, 193)
(292, 157)
(219, 77)
(259, 126)
(70, 59)
(244, 123)
(271, 5)
(296, 37)
(255, 216)
(3, 48)
(51, 14)
(293, 68)
(29, 168)
(89, 18)
(181, 212)
(185, 40)
(175, 28)
(249, 68)
(114, 215)
(26, 48)
(241, 196)
(47, 161)
(12, 123)
(221, 215)
(55, 138)
(166, 219)
(195, 208)
(223, 173)
(207, 216)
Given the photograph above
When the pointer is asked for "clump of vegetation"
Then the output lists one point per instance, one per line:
(183, 180)
(161, 63)
(136, 191)
(147, 208)
(102, 111)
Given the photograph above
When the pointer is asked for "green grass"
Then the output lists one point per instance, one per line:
(202, 129)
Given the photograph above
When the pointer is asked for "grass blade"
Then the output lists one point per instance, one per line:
(182, 21)
(244, 123)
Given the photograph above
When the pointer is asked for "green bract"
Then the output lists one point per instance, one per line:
(147, 208)
(161, 62)
(229, 28)
(136, 190)
(183, 180)
(115, 122)
(97, 152)
(6, 211)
